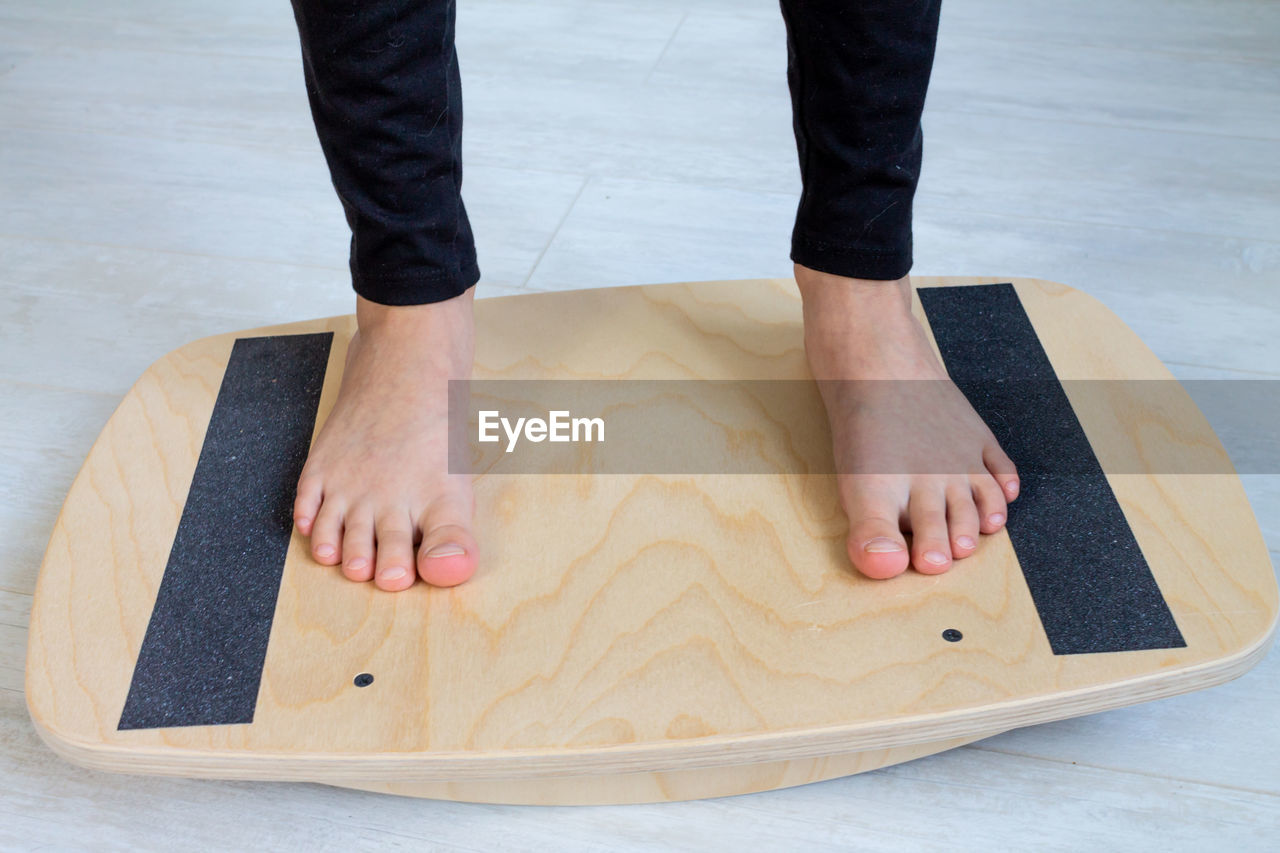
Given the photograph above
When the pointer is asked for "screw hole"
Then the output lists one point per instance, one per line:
(951, 635)
(364, 679)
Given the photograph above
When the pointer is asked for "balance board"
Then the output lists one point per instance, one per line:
(632, 637)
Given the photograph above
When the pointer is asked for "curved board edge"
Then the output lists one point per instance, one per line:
(661, 787)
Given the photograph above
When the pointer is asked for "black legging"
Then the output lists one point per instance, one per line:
(385, 92)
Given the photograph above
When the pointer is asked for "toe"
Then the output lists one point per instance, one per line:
(447, 555)
(930, 545)
(357, 546)
(394, 552)
(962, 522)
(306, 503)
(989, 498)
(326, 534)
(876, 545)
(1003, 469)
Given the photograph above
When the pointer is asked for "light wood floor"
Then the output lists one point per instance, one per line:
(160, 180)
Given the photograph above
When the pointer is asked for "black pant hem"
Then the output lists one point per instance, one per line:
(850, 261)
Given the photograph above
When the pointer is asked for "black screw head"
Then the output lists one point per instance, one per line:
(364, 679)
(951, 635)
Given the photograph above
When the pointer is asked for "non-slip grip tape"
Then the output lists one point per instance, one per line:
(1086, 573)
(202, 655)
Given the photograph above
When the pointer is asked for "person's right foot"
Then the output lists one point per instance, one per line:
(375, 493)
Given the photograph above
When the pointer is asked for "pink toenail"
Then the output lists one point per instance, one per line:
(325, 551)
(393, 574)
(881, 545)
(1012, 487)
(447, 550)
(996, 518)
(965, 541)
(935, 557)
(358, 564)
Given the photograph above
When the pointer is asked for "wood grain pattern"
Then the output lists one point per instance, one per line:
(676, 626)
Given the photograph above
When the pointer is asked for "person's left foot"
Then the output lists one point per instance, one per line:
(910, 455)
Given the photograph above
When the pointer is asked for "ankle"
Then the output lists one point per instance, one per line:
(373, 317)
(842, 294)
(839, 305)
(863, 328)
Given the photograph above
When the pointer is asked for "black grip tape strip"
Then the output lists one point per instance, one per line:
(1088, 578)
(202, 655)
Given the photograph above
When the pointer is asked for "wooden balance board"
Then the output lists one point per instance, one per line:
(629, 637)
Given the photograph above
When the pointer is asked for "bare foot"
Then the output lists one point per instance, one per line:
(910, 455)
(376, 487)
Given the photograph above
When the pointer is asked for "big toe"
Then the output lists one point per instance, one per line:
(876, 546)
(447, 554)
(877, 549)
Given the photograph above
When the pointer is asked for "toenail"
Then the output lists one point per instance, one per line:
(1011, 487)
(996, 518)
(881, 545)
(449, 549)
(324, 551)
(393, 574)
(935, 557)
(358, 564)
(965, 541)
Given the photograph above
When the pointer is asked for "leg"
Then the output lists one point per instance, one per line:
(917, 457)
(375, 494)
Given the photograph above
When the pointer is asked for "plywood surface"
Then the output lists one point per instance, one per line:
(627, 624)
